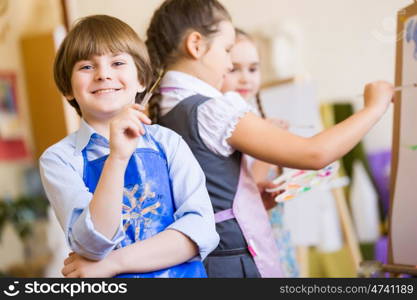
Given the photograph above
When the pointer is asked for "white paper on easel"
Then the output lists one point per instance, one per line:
(404, 210)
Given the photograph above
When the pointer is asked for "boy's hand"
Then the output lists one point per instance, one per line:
(379, 94)
(77, 266)
(125, 128)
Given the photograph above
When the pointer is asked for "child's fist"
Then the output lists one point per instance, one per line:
(125, 128)
(379, 94)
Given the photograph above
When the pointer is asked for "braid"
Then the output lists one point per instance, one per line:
(154, 109)
(167, 29)
(158, 44)
(156, 54)
(259, 105)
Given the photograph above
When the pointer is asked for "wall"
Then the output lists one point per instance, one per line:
(22, 17)
(351, 38)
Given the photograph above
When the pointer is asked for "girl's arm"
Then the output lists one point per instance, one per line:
(266, 142)
(260, 170)
(168, 248)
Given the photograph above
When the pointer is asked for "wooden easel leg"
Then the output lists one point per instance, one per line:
(303, 260)
(347, 227)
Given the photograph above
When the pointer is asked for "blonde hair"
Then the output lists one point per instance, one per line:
(98, 35)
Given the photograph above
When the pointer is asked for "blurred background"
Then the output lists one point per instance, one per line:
(317, 54)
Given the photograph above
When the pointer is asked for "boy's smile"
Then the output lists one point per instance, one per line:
(104, 84)
(105, 91)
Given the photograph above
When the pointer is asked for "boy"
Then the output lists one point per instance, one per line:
(116, 183)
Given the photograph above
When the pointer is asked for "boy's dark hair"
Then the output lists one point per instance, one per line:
(168, 27)
(98, 35)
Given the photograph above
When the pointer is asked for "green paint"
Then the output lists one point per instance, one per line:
(306, 189)
(414, 148)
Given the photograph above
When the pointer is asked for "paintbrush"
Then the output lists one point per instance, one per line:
(397, 88)
(149, 94)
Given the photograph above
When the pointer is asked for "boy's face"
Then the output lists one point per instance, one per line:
(104, 84)
(245, 77)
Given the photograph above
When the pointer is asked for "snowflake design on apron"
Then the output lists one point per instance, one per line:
(135, 214)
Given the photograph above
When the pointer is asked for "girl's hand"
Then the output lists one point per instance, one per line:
(267, 197)
(125, 128)
(379, 94)
(77, 266)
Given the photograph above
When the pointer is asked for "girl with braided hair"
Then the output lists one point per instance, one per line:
(189, 42)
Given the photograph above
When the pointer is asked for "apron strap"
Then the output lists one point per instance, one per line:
(156, 143)
(224, 215)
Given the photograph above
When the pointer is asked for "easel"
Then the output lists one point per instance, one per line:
(392, 267)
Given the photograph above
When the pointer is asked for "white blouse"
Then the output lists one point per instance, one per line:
(217, 117)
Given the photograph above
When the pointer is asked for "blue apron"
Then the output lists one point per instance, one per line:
(148, 206)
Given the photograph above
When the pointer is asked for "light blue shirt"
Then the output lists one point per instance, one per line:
(61, 168)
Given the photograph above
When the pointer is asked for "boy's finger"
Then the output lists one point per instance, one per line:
(132, 126)
(72, 275)
(68, 260)
(142, 117)
(138, 124)
(133, 132)
(142, 129)
(145, 119)
(138, 106)
(67, 269)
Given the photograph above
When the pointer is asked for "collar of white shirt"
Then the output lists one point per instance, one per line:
(82, 136)
(184, 81)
